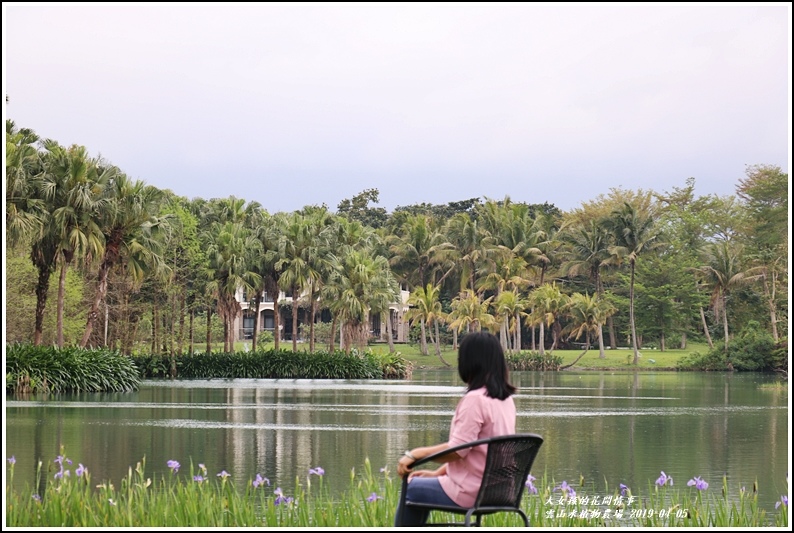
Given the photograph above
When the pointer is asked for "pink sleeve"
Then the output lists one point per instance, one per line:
(467, 422)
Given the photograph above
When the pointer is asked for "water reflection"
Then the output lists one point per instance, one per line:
(607, 427)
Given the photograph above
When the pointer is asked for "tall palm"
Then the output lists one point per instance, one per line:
(587, 314)
(547, 303)
(427, 308)
(511, 305)
(472, 243)
(362, 283)
(229, 253)
(25, 210)
(27, 215)
(634, 231)
(724, 272)
(585, 251)
(417, 248)
(131, 229)
(471, 313)
(296, 248)
(73, 187)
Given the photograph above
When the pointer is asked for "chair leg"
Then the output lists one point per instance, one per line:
(524, 517)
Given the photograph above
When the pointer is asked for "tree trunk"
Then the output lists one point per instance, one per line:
(706, 328)
(683, 340)
(631, 318)
(541, 339)
(190, 328)
(155, 327)
(294, 320)
(61, 298)
(42, 287)
(586, 348)
(770, 298)
(111, 253)
(209, 329)
(276, 324)
(661, 341)
(333, 334)
(601, 354)
(613, 338)
(255, 334)
(725, 317)
(517, 345)
(455, 339)
(181, 340)
(387, 316)
(423, 343)
(312, 312)
(438, 345)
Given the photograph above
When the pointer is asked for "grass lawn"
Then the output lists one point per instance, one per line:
(620, 359)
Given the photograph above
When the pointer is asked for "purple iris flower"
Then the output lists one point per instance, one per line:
(783, 501)
(12, 460)
(81, 470)
(223, 474)
(663, 479)
(319, 471)
(36, 497)
(260, 481)
(566, 489)
(280, 498)
(698, 483)
(198, 479)
(530, 486)
(374, 496)
(174, 466)
(624, 489)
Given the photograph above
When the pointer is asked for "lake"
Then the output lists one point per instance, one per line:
(607, 427)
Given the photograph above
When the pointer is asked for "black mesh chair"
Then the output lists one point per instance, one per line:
(507, 466)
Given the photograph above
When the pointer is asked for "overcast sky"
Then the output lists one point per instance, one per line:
(297, 104)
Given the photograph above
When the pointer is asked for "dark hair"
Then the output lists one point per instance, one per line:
(481, 363)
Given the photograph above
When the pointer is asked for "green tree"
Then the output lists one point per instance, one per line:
(132, 232)
(587, 314)
(634, 233)
(724, 272)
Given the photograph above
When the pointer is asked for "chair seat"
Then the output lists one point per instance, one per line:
(507, 465)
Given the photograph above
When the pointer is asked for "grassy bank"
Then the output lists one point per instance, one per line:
(620, 359)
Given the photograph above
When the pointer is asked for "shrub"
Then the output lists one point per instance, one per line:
(533, 361)
(49, 369)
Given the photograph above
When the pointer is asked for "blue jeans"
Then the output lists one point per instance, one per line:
(425, 490)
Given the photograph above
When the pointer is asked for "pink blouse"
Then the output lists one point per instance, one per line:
(477, 416)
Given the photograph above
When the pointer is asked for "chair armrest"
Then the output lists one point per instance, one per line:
(442, 453)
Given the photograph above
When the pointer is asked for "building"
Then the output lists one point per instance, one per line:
(244, 323)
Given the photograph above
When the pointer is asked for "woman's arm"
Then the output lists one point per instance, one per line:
(422, 452)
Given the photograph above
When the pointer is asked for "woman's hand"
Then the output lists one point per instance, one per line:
(426, 473)
(403, 465)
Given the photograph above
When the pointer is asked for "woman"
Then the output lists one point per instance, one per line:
(486, 410)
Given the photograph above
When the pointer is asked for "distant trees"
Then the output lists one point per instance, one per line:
(645, 266)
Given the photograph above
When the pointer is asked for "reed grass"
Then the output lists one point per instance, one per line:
(196, 497)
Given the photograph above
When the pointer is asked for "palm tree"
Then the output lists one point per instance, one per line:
(362, 283)
(229, 253)
(417, 248)
(588, 314)
(634, 232)
(586, 251)
(73, 188)
(547, 303)
(470, 313)
(25, 210)
(296, 250)
(427, 308)
(723, 272)
(131, 226)
(511, 306)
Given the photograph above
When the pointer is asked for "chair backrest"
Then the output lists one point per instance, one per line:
(507, 466)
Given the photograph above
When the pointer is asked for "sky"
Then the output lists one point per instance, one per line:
(307, 104)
